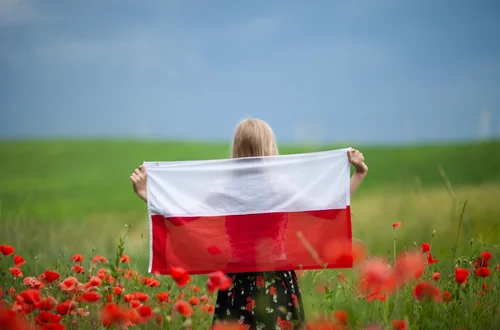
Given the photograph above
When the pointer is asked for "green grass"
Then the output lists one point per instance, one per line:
(60, 180)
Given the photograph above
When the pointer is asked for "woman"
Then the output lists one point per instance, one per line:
(261, 300)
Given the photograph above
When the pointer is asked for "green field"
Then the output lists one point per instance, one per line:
(51, 188)
(59, 198)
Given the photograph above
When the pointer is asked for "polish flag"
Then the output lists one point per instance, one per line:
(286, 212)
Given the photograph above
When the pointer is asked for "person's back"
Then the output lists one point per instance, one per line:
(261, 300)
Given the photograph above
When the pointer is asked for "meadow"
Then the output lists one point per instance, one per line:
(62, 198)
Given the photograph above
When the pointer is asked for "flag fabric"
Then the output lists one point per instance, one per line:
(285, 212)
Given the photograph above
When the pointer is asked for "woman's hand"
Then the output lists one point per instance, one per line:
(138, 179)
(358, 161)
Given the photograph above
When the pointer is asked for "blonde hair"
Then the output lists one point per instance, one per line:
(253, 138)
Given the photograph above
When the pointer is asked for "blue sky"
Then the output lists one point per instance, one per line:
(317, 71)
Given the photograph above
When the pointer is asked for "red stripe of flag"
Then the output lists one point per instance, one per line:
(253, 242)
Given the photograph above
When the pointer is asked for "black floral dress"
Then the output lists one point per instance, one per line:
(264, 300)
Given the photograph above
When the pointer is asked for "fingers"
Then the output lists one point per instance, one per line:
(355, 157)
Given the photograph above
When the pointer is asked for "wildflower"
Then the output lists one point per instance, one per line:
(436, 276)
(91, 297)
(65, 307)
(430, 259)
(77, 258)
(219, 281)
(69, 284)
(446, 296)
(396, 224)
(125, 259)
(425, 247)
(135, 303)
(461, 275)
(19, 261)
(377, 277)
(483, 272)
(28, 299)
(78, 269)
(33, 283)
(341, 316)
(16, 272)
(99, 259)
(399, 324)
(117, 290)
(425, 290)
(47, 317)
(162, 296)
(195, 301)
(409, 266)
(46, 303)
(7, 250)
(48, 277)
(183, 308)
(113, 314)
(151, 282)
(180, 276)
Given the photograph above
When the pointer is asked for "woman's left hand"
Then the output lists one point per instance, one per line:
(358, 161)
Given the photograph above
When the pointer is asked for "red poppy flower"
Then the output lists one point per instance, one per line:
(410, 266)
(376, 277)
(162, 296)
(125, 259)
(99, 259)
(194, 288)
(183, 308)
(78, 269)
(146, 312)
(399, 324)
(483, 272)
(180, 276)
(396, 224)
(220, 281)
(16, 272)
(461, 275)
(446, 296)
(77, 258)
(341, 316)
(19, 261)
(485, 255)
(69, 284)
(7, 250)
(135, 303)
(117, 290)
(46, 303)
(436, 276)
(151, 282)
(195, 301)
(207, 308)
(425, 290)
(48, 277)
(47, 317)
(425, 247)
(141, 296)
(91, 297)
(65, 307)
(113, 314)
(430, 259)
(33, 283)
(53, 326)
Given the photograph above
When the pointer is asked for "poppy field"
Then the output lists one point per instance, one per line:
(426, 245)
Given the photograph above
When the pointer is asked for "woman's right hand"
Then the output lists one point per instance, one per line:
(138, 179)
